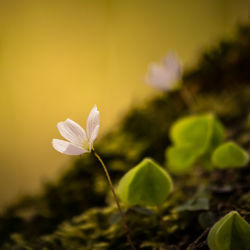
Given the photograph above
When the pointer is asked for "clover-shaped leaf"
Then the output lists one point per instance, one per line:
(218, 134)
(181, 158)
(146, 184)
(193, 137)
(231, 232)
(230, 154)
(193, 131)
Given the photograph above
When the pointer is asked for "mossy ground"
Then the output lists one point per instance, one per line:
(77, 211)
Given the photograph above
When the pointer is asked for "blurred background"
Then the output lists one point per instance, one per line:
(59, 58)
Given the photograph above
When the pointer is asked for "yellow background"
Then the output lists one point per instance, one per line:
(59, 58)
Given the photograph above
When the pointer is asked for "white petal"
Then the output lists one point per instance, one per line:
(67, 148)
(172, 64)
(171, 60)
(93, 121)
(166, 75)
(158, 77)
(93, 137)
(72, 131)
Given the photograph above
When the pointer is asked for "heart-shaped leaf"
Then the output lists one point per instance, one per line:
(181, 158)
(218, 134)
(194, 138)
(194, 132)
(230, 154)
(146, 184)
(231, 232)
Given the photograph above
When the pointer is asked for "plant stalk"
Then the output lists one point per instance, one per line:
(126, 228)
(193, 245)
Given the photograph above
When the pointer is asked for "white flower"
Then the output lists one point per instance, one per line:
(79, 142)
(166, 75)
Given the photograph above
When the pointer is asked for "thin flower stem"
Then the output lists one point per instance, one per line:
(116, 200)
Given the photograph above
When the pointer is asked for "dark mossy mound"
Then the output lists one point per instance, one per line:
(77, 211)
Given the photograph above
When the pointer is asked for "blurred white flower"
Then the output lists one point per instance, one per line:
(166, 75)
(79, 142)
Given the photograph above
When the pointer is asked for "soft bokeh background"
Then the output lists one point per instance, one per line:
(59, 58)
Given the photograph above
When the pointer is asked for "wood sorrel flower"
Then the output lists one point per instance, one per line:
(166, 75)
(79, 142)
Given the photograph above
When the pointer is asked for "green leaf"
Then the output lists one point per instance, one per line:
(230, 154)
(194, 132)
(200, 201)
(180, 159)
(194, 138)
(194, 205)
(218, 134)
(230, 233)
(146, 184)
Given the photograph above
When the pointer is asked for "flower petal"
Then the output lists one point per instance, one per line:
(93, 137)
(165, 76)
(67, 148)
(73, 132)
(172, 61)
(158, 77)
(173, 65)
(93, 121)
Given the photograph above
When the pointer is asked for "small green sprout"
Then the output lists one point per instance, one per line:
(193, 138)
(230, 154)
(145, 184)
(232, 232)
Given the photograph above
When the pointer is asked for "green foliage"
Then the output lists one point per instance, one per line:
(200, 201)
(147, 184)
(230, 154)
(180, 159)
(194, 131)
(193, 137)
(230, 233)
(92, 230)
